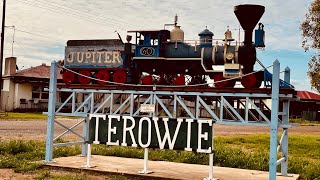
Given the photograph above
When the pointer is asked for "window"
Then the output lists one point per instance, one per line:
(39, 93)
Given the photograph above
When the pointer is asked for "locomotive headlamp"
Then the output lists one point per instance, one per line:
(229, 56)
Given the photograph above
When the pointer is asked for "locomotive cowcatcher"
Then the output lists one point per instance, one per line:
(163, 57)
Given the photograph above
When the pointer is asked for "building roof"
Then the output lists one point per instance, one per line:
(306, 95)
(42, 71)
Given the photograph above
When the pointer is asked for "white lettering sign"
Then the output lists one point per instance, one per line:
(93, 57)
(112, 130)
(129, 129)
(145, 132)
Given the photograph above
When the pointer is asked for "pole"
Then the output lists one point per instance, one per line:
(51, 111)
(2, 43)
(274, 121)
(285, 119)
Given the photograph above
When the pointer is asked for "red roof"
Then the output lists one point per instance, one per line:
(306, 95)
(42, 71)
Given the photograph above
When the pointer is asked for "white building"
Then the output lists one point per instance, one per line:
(24, 89)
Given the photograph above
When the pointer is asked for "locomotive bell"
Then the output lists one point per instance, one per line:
(228, 35)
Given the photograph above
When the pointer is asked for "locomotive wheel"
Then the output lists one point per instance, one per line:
(147, 80)
(82, 79)
(249, 81)
(219, 77)
(179, 80)
(103, 75)
(119, 77)
(68, 77)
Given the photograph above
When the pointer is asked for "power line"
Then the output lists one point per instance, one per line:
(33, 33)
(14, 31)
(86, 14)
(23, 48)
(72, 12)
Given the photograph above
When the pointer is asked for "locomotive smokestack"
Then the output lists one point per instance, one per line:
(248, 16)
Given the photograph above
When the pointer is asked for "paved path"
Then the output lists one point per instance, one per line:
(161, 169)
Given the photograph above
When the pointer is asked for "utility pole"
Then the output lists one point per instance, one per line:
(2, 44)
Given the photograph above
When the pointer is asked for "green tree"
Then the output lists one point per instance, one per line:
(310, 28)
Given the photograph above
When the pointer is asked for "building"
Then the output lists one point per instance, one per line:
(307, 107)
(25, 89)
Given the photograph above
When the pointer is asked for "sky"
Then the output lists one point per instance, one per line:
(42, 27)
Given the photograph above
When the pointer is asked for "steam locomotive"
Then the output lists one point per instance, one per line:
(164, 57)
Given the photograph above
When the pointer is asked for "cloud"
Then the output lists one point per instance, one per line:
(301, 84)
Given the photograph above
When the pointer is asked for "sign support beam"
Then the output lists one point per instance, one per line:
(274, 121)
(51, 111)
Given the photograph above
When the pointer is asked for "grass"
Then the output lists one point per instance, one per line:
(44, 174)
(24, 116)
(304, 154)
(305, 122)
(30, 116)
(245, 151)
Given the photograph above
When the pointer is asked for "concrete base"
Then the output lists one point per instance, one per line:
(161, 169)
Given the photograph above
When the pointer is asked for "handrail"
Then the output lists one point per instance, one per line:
(196, 42)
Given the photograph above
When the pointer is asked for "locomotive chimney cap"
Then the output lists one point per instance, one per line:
(249, 15)
(205, 32)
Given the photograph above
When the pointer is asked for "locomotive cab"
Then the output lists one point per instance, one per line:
(150, 43)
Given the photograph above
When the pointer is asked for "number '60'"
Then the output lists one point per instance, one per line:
(147, 51)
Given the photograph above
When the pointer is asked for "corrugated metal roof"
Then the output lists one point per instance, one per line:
(42, 71)
(306, 95)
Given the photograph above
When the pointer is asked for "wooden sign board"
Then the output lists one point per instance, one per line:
(162, 133)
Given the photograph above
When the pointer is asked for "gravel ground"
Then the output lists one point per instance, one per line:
(36, 130)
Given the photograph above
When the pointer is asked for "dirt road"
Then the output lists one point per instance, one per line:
(36, 130)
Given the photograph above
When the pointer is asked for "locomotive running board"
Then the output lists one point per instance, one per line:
(146, 58)
(167, 59)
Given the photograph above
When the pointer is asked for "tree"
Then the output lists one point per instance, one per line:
(310, 28)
